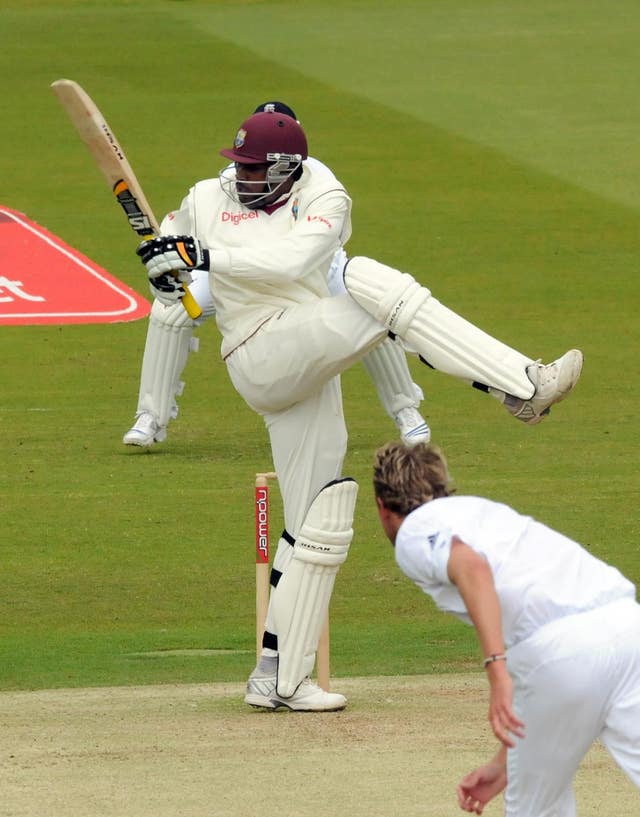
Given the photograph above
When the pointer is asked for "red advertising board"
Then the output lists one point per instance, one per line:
(44, 281)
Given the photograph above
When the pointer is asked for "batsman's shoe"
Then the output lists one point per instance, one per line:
(145, 431)
(308, 697)
(552, 382)
(412, 426)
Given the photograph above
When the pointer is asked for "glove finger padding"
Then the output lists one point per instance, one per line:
(167, 253)
(167, 288)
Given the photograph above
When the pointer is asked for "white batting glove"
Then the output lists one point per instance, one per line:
(167, 288)
(168, 253)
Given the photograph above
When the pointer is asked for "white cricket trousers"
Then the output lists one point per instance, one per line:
(288, 371)
(576, 680)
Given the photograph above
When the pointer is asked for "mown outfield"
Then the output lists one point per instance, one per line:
(490, 149)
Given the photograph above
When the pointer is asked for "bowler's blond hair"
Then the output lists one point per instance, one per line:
(405, 477)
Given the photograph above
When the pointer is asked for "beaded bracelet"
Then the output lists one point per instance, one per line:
(492, 658)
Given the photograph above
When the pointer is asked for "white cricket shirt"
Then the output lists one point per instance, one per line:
(263, 261)
(539, 574)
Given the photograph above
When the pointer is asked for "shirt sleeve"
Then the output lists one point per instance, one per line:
(423, 553)
(320, 230)
(178, 222)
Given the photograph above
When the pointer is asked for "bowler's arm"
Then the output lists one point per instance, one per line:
(472, 575)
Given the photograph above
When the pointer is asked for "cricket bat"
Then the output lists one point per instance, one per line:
(110, 158)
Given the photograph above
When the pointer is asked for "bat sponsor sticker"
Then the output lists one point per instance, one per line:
(138, 219)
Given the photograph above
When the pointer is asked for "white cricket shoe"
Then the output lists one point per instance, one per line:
(145, 431)
(412, 426)
(308, 697)
(552, 383)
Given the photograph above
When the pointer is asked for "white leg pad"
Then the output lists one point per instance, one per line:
(387, 367)
(442, 338)
(300, 602)
(169, 341)
(279, 565)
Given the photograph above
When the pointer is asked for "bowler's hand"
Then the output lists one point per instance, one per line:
(502, 718)
(481, 785)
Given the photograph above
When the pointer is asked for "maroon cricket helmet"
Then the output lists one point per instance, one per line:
(267, 137)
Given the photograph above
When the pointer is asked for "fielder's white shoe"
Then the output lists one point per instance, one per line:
(308, 697)
(145, 431)
(552, 382)
(412, 426)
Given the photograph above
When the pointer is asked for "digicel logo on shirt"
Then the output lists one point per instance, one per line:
(44, 281)
(236, 218)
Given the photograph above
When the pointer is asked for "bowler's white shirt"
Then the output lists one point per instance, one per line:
(539, 574)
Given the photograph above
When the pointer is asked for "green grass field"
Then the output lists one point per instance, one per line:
(490, 149)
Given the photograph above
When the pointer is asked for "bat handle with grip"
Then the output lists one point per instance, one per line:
(190, 304)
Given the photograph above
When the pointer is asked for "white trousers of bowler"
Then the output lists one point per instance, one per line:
(288, 372)
(576, 680)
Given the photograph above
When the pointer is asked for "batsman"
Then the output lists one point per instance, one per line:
(171, 339)
(266, 231)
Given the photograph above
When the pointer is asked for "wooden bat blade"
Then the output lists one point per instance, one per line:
(110, 158)
(101, 142)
